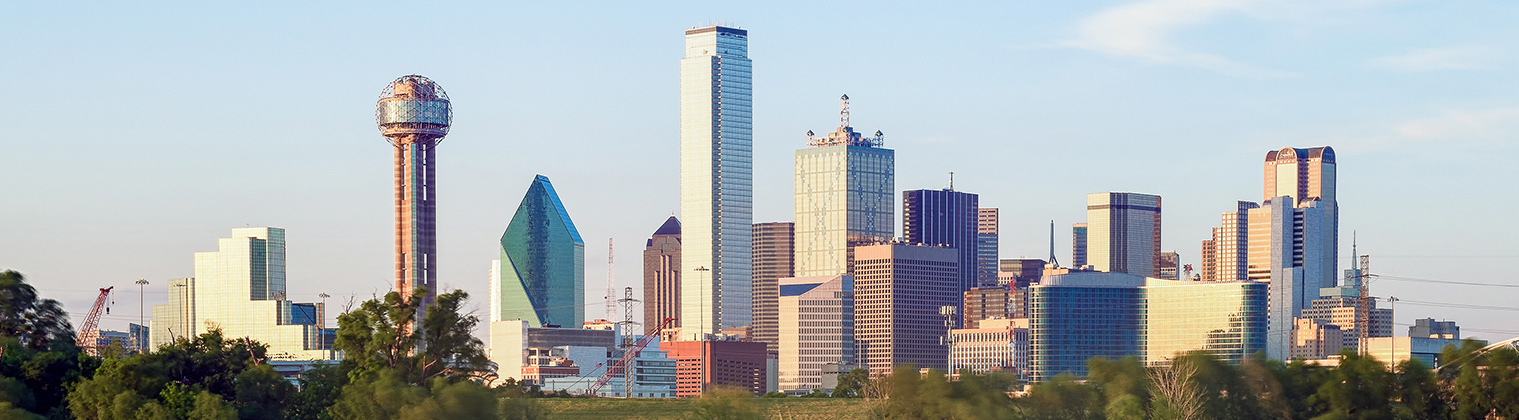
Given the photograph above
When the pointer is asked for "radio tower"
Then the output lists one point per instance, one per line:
(414, 114)
(611, 294)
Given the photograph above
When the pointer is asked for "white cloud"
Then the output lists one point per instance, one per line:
(1464, 129)
(1460, 57)
(1144, 29)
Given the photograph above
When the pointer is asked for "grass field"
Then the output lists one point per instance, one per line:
(651, 409)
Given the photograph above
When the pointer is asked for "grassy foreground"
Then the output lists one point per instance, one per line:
(650, 409)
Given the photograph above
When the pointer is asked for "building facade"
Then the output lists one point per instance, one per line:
(845, 189)
(1313, 339)
(702, 364)
(1123, 233)
(987, 244)
(1020, 272)
(540, 274)
(1282, 251)
(899, 290)
(716, 179)
(240, 289)
(1430, 328)
(993, 345)
(944, 218)
(1078, 245)
(1170, 266)
(1225, 255)
(986, 302)
(774, 245)
(661, 276)
(1077, 315)
(1308, 176)
(816, 329)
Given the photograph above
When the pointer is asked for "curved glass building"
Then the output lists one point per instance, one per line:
(540, 276)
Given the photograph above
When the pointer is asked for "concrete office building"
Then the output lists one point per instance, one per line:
(1283, 251)
(1308, 176)
(700, 365)
(816, 329)
(1343, 311)
(845, 190)
(1314, 339)
(716, 179)
(1078, 245)
(240, 289)
(944, 218)
(992, 345)
(661, 276)
(572, 359)
(1020, 272)
(987, 244)
(1225, 254)
(1170, 266)
(1123, 233)
(774, 245)
(1430, 328)
(1077, 315)
(986, 302)
(1399, 349)
(539, 275)
(899, 290)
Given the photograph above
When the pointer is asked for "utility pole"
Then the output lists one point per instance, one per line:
(627, 338)
(1363, 303)
(1392, 343)
(141, 317)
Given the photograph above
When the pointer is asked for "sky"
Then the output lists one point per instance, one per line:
(138, 134)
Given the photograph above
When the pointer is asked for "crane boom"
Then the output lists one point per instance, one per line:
(627, 357)
(89, 332)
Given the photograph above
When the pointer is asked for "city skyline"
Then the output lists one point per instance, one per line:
(332, 201)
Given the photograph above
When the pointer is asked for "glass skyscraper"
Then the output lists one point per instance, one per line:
(845, 192)
(1123, 233)
(540, 276)
(716, 185)
(947, 218)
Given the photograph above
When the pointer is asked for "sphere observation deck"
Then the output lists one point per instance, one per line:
(413, 105)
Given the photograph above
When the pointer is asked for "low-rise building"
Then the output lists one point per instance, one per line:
(994, 345)
(700, 365)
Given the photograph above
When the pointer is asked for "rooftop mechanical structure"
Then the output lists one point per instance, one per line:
(414, 114)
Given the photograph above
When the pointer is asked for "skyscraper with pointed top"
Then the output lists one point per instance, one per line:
(845, 194)
(540, 276)
(716, 185)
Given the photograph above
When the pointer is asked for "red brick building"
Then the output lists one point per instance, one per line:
(700, 365)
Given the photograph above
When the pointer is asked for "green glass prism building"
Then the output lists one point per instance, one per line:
(540, 276)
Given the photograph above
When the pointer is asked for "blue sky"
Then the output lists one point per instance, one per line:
(138, 134)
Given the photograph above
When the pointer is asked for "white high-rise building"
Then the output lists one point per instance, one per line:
(845, 197)
(816, 325)
(240, 289)
(716, 185)
(1123, 233)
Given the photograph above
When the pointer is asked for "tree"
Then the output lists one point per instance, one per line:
(1177, 394)
(378, 335)
(262, 394)
(1418, 392)
(851, 383)
(1359, 388)
(725, 403)
(320, 388)
(37, 323)
(163, 381)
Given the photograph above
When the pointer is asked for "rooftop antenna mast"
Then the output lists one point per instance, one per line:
(951, 180)
(611, 292)
(844, 111)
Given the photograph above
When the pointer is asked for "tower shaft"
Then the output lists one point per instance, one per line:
(416, 226)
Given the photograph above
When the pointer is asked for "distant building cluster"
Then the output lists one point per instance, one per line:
(789, 306)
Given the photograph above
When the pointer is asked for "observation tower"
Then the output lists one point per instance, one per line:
(414, 114)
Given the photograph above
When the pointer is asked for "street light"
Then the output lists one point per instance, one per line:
(141, 323)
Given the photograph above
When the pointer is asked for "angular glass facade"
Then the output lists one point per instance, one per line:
(945, 218)
(716, 180)
(540, 277)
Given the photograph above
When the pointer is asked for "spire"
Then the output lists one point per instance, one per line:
(844, 111)
(1053, 261)
(1354, 255)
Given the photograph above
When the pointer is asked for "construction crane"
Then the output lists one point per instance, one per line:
(89, 332)
(627, 357)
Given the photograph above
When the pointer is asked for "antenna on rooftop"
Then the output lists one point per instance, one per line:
(1053, 261)
(844, 111)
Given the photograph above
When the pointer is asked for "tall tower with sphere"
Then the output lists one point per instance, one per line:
(414, 114)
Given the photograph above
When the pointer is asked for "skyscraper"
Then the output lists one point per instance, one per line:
(1308, 176)
(986, 246)
(1283, 250)
(773, 250)
(716, 185)
(817, 328)
(540, 276)
(661, 276)
(948, 218)
(414, 114)
(898, 292)
(1078, 245)
(1123, 233)
(1225, 256)
(240, 289)
(845, 190)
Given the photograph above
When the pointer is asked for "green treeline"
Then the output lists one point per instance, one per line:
(442, 373)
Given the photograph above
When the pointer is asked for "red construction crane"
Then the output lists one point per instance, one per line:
(627, 356)
(89, 332)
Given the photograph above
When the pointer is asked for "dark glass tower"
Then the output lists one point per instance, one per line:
(944, 218)
(540, 277)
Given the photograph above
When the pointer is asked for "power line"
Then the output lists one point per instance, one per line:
(1458, 305)
(1464, 283)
